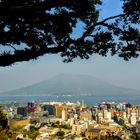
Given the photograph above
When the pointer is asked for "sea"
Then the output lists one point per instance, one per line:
(87, 100)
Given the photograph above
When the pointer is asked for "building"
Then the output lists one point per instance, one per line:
(30, 104)
(139, 113)
(46, 133)
(137, 125)
(71, 121)
(99, 117)
(101, 130)
(133, 118)
(58, 110)
(31, 107)
(64, 115)
(22, 111)
(85, 115)
(93, 133)
(78, 128)
(49, 108)
(107, 115)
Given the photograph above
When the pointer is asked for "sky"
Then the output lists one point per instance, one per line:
(113, 70)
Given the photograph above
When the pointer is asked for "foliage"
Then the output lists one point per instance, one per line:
(54, 125)
(44, 124)
(31, 28)
(110, 137)
(4, 137)
(65, 126)
(34, 121)
(83, 134)
(3, 125)
(135, 135)
(3, 120)
(60, 133)
(33, 134)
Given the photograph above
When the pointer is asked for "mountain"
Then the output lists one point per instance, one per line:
(68, 84)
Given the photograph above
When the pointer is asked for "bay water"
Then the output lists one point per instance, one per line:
(88, 100)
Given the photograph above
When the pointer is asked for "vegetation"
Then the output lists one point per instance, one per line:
(33, 134)
(58, 125)
(3, 120)
(3, 125)
(54, 125)
(32, 28)
(7, 132)
(135, 135)
(110, 137)
(65, 126)
(60, 133)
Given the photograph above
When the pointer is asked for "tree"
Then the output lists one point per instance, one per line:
(3, 125)
(65, 126)
(32, 28)
(60, 133)
(3, 120)
(33, 134)
(110, 137)
(135, 135)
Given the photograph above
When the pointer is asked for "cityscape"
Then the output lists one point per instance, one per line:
(69, 70)
(67, 121)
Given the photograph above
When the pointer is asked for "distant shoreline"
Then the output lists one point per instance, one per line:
(88, 100)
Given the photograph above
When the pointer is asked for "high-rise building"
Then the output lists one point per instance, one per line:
(31, 104)
(112, 110)
(49, 108)
(58, 110)
(64, 115)
(133, 119)
(107, 115)
(99, 116)
(31, 107)
(22, 111)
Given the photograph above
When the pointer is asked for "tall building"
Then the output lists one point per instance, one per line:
(49, 108)
(58, 110)
(31, 107)
(133, 118)
(71, 121)
(112, 110)
(22, 111)
(99, 116)
(31, 104)
(64, 115)
(105, 114)
(139, 113)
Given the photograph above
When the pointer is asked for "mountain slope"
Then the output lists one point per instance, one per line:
(65, 84)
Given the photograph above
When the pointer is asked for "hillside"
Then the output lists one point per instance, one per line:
(66, 84)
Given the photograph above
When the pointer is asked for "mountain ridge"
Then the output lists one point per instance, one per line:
(72, 84)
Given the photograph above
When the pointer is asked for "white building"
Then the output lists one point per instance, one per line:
(107, 115)
(64, 115)
(79, 128)
(133, 118)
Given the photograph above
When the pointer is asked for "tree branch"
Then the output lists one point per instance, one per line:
(117, 29)
(91, 28)
(11, 46)
(26, 55)
(36, 6)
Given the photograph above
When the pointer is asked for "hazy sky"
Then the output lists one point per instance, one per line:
(113, 70)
